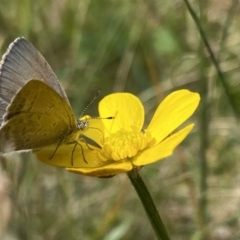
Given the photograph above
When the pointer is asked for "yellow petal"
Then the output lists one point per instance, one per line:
(63, 156)
(172, 112)
(104, 171)
(163, 149)
(125, 107)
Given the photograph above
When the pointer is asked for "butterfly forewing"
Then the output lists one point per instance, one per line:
(21, 63)
(3, 106)
(37, 116)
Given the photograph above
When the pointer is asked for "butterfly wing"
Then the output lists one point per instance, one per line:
(3, 107)
(21, 63)
(37, 116)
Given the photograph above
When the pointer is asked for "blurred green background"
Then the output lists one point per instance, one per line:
(148, 48)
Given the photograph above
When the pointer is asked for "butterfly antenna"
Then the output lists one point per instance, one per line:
(85, 109)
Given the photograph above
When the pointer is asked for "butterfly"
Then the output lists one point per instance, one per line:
(34, 109)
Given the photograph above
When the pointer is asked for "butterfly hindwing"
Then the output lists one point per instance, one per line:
(36, 117)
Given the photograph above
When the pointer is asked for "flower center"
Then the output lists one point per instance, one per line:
(124, 144)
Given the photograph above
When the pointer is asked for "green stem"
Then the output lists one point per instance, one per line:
(149, 206)
(204, 120)
(213, 58)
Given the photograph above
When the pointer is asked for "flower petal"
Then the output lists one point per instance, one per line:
(66, 155)
(172, 112)
(163, 149)
(104, 171)
(125, 107)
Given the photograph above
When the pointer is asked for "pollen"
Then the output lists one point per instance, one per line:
(124, 144)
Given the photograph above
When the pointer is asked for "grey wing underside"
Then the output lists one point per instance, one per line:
(21, 63)
(3, 107)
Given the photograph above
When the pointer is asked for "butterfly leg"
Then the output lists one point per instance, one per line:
(61, 141)
(76, 143)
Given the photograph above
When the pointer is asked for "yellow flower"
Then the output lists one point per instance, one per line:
(112, 146)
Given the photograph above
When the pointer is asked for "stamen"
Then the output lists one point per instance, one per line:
(124, 144)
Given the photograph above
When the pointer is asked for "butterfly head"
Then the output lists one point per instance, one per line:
(82, 124)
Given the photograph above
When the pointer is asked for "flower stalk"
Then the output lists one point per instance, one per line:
(148, 204)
